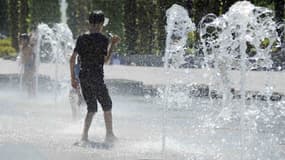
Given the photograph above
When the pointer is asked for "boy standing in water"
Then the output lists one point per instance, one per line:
(94, 49)
(28, 62)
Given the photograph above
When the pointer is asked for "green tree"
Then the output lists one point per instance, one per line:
(145, 26)
(263, 3)
(77, 12)
(71, 17)
(226, 4)
(14, 21)
(189, 6)
(279, 9)
(162, 6)
(24, 13)
(279, 13)
(4, 17)
(202, 8)
(130, 25)
(45, 11)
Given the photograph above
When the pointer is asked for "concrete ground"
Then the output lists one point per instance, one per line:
(255, 80)
(42, 129)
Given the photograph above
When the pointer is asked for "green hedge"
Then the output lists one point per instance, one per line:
(6, 48)
(5, 42)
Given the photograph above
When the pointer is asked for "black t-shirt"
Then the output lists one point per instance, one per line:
(92, 48)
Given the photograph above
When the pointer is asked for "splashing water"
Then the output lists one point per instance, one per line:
(54, 45)
(63, 7)
(241, 39)
(225, 46)
(236, 42)
(178, 26)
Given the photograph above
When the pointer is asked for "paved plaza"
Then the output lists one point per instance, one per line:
(255, 80)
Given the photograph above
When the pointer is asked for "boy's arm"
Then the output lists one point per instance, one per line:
(114, 41)
(74, 83)
(109, 53)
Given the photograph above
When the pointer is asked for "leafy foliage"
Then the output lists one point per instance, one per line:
(139, 23)
(6, 48)
(43, 11)
(4, 17)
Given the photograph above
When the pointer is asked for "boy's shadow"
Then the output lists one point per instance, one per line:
(95, 145)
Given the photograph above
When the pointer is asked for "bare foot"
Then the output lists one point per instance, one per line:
(84, 138)
(83, 143)
(111, 138)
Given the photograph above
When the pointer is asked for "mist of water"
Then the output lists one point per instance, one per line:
(225, 41)
(54, 45)
(236, 40)
(63, 7)
(242, 40)
(178, 26)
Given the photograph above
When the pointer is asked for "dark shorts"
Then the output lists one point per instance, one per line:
(92, 92)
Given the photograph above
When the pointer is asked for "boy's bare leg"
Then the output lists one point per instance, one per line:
(30, 89)
(33, 88)
(110, 137)
(87, 123)
(73, 105)
(80, 97)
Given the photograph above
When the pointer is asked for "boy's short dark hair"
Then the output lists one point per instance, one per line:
(24, 36)
(96, 17)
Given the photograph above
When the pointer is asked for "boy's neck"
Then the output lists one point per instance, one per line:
(95, 31)
(97, 28)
